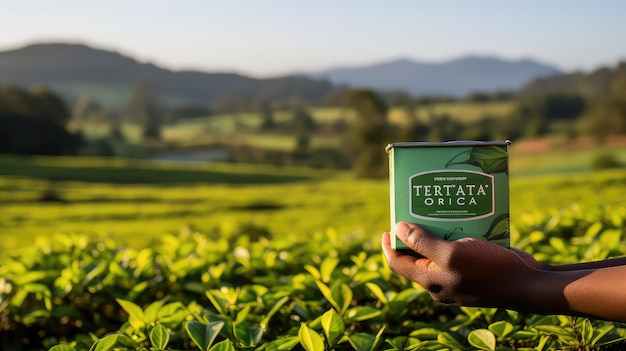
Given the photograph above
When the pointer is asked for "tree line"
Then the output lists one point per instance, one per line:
(35, 121)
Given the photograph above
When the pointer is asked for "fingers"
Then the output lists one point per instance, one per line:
(418, 269)
(397, 261)
(387, 250)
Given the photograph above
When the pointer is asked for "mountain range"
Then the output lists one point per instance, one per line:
(457, 77)
(77, 70)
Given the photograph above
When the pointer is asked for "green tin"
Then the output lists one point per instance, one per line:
(454, 189)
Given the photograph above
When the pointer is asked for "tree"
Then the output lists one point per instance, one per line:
(50, 106)
(534, 114)
(301, 119)
(232, 102)
(369, 133)
(607, 116)
(33, 123)
(442, 127)
(143, 107)
(264, 108)
(87, 109)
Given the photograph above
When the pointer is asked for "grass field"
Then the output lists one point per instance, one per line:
(132, 201)
(242, 128)
(463, 111)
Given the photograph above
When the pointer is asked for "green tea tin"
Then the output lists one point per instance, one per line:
(453, 189)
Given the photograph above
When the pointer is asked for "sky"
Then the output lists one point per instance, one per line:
(265, 38)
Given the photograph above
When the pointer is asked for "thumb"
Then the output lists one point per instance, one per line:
(419, 240)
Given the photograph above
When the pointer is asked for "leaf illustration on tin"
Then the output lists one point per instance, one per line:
(449, 234)
(499, 228)
(491, 159)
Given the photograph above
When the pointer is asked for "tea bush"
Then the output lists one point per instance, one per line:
(326, 291)
(117, 276)
(605, 160)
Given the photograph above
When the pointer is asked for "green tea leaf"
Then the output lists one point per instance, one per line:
(453, 341)
(425, 333)
(109, 342)
(594, 229)
(398, 343)
(362, 313)
(362, 341)
(333, 326)
(170, 315)
(63, 347)
(587, 331)
(602, 334)
(563, 334)
(135, 314)
(219, 301)
(143, 261)
(552, 329)
(104, 344)
(32, 276)
(611, 238)
(482, 339)
(559, 244)
(247, 336)
(98, 270)
(203, 335)
(197, 332)
(378, 292)
(378, 338)
(212, 331)
(501, 328)
(398, 308)
(343, 296)
(224, 345)
(159, 337)
(242, 314)
(227, 330)
(524, 335)
(283, 343)
(328, 294)
(543, 342)
(151, 312)
(327, 267)
(264, 322)
(314, 271)
(310, 339)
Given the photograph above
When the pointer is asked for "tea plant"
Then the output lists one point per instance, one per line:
(253, 272)
(327, 291)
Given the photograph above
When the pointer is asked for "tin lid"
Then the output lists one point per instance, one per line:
(447, 143)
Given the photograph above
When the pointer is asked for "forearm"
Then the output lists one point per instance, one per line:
(602, 293)
(595, 293)
(613, 262)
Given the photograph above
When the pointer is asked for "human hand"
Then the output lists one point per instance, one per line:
(474, 272)
(468, 272)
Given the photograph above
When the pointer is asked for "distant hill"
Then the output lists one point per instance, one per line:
(77, 70)
(596, 83)
(451, 78)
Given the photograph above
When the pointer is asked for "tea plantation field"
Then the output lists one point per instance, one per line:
(110, 254)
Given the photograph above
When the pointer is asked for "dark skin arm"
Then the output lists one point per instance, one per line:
(472, 272)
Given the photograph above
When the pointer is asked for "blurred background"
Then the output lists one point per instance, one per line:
(211, 93)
